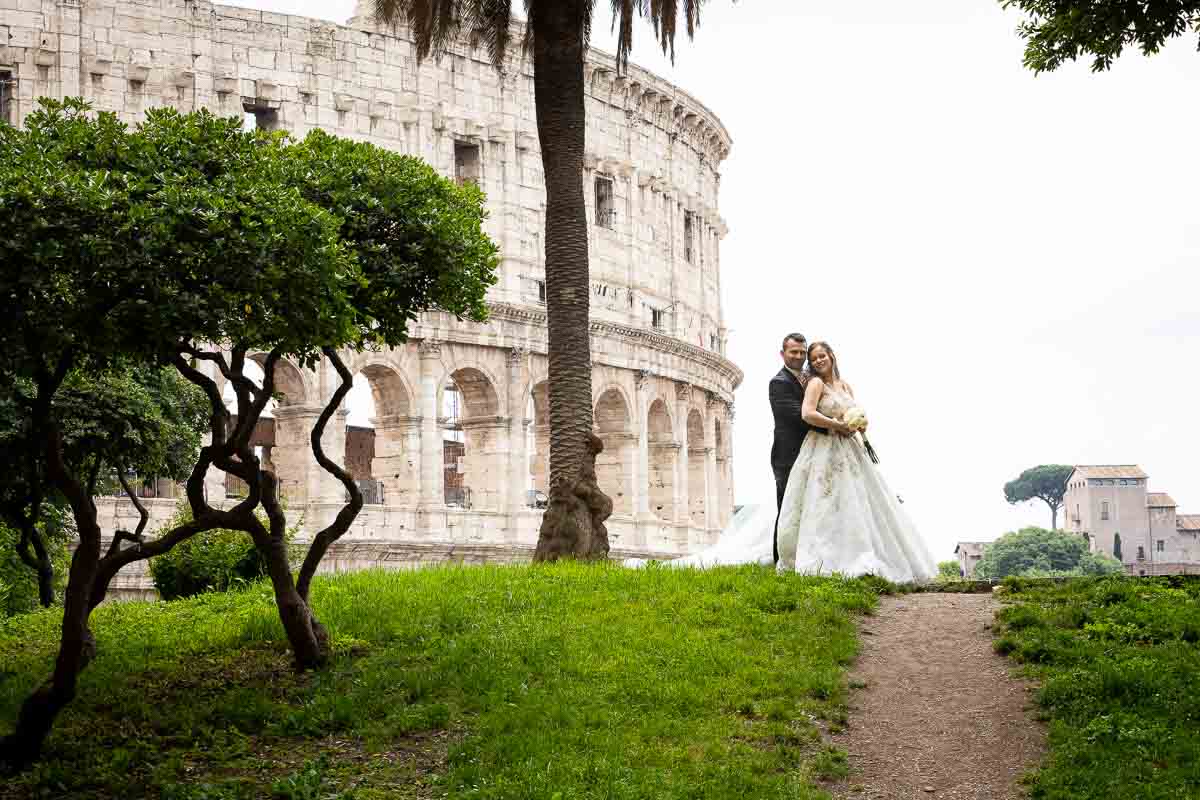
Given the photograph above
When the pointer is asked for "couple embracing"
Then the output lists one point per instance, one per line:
(834, 513)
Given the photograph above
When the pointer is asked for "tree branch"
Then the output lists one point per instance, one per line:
(321, 542)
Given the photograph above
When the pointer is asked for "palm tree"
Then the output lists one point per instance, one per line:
(556, 34)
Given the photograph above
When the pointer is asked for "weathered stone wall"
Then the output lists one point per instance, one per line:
(663, 389)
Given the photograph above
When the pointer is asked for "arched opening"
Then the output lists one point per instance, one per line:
(537, 445)
(472, 457)
(614, 466)
(696, 469)
(664, 451)
(278, 455)
(382, 438)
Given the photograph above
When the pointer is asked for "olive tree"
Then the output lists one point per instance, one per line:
(189, 242)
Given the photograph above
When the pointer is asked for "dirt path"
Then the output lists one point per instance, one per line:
(939, 717)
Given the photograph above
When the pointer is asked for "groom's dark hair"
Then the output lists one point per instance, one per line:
(793, 337)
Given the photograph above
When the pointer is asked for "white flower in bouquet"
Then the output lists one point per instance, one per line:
(855, 419)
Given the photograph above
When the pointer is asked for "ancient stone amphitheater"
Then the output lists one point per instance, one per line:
(454, 459)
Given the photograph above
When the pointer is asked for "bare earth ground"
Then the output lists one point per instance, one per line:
(940, 716)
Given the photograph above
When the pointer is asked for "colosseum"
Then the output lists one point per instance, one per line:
(454, 458)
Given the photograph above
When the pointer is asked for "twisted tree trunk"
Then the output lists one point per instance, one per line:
(573, 524)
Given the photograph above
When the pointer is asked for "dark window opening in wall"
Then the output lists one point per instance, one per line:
(606, 214)
(1160, 546)
(7, 85)
(467, 165)
(689, 232)
(1141, 553)
(541, 291)
(657, 318)
(1117, 546)
(1104, 510)
(259, 117)
(712, 342)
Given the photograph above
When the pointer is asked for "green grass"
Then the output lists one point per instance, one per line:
(495, 682)
(1119, 670)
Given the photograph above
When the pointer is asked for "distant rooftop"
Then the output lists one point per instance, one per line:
(1110, 471)
(970, 548)
(1188, 522)
(1159, 500)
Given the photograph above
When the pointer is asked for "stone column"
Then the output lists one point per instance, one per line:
(398, 458)
(683, 510)
(712, 515)
(486, 461)
(728, 487)
(301, 479)
(431, 494)
(518, 460)
(641, 453)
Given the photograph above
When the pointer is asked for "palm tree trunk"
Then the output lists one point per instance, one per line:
(573, 524)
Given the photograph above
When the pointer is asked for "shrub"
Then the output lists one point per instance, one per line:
(213, 561)
(949, 570)
(1040, 553)
(18, 583)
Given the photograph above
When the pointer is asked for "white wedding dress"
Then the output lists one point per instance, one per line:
(838, 516)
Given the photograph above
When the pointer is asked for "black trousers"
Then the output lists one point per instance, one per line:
(781, 479)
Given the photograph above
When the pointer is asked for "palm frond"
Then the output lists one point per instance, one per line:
(663, 16)
(436, 24)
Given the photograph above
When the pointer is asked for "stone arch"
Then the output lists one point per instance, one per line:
(664, 452)
(291, 385)
(537, 432)
(472, 439)
(697, 468)
(615, 465)
(289, 451)
(384, 454)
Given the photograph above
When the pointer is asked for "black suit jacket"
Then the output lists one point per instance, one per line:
(787, 400)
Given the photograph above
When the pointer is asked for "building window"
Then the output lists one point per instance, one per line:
(606, 214)
(1141, 553)
(1117, 546)
(7, 84)
(258, 117)
(541, 290)
(1104, 510)
(1160, 546)
(467, 165)
(657, 317)
(689, 227)
(712, 342)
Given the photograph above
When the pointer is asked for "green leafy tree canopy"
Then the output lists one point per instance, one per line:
(1059, 31)
(1035, 552)
(1047, 483)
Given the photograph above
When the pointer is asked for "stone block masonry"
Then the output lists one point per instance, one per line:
(460, 422)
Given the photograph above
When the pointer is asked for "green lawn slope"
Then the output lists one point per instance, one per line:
(559, 682)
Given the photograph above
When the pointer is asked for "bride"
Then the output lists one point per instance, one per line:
(838, 514)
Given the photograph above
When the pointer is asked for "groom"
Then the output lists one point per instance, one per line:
(787, 399)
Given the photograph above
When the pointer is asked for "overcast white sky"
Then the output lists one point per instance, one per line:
(1007, 265)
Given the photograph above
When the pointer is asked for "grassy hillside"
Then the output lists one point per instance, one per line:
(501, 682)
(1118, 660)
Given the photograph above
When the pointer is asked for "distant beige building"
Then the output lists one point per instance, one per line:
(969, 554)
(1112, 507)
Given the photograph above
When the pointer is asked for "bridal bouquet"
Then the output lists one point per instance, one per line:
(856, 420)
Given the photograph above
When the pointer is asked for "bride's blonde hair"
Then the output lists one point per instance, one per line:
(832, 358)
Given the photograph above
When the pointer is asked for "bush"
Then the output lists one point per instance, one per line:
(18, 583)
(1040, 553)
(949, 570)
(213, 561)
